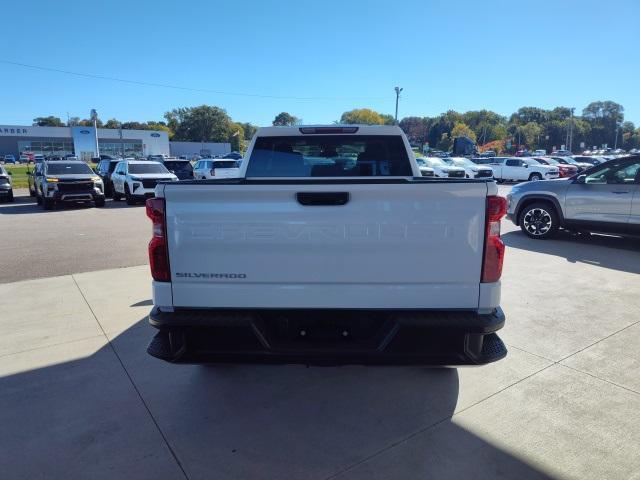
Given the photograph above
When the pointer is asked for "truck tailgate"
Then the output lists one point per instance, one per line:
(391, 245)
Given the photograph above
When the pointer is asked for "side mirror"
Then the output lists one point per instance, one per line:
(581, 179)
(526, 165)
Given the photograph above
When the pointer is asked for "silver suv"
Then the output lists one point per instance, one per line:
(63, 181)
(604, 198)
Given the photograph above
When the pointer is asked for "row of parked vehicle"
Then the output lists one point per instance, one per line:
(70, 180)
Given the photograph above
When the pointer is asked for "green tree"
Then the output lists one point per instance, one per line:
(445, 142)
(462, 130)
(363, 116)
(416, 129)
(73, 121)
(237, 137)
(285, 119)
(195, 124)
(49, 121)
(531, 133)
(249, 130)
(112, 123)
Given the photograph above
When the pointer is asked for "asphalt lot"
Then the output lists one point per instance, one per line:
(70, 239)
(80, 398)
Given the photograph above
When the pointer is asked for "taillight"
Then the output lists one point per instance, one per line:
(158, 254)
(493, 246)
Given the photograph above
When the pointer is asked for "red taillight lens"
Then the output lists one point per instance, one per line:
(493, 246)
(158, 254)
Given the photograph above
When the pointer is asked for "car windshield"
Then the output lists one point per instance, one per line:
(435, 162)
(329, 156)
(549, 161)
(68, 168)
(151, 167)
(179, 167)
(463, 162)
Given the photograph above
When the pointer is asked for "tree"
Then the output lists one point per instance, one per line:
(388, 119)
(363, 116)
(199, 124)
(285, 119)
(49, 121)
(444, 143)
(249, 130)
(462, 130)
(89, 123)
(112, 123)
(416, 129)
(237, 137)
(73, 121)
(531, 133)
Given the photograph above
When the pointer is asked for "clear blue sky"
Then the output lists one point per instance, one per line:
(456, 54)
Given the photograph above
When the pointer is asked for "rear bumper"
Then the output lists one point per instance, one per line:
(327, 336)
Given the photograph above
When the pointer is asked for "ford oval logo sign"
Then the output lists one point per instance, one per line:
(85, 131)
(155, 134)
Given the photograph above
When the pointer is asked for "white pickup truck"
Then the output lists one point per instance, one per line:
(329, 248)
(521, 169)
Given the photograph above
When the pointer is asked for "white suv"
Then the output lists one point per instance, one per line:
(441, 168)
(136, 179)
(214, 168)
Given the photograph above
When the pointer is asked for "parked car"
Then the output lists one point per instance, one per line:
(9, 159)
(591, 160)
(567, 160)
(182, 168)
(204, 169)
(136, 180)
(471, 169)
(565, 170)
(233, 155)
(37, 158)
(601, 199)
(519, 169)
(425, 170)
(63, 181)
(6, 185)
(488, 153)
(540, 153)
(104, 169)
(441, 168)
(287, 269)
(24, 159)
(562, 153)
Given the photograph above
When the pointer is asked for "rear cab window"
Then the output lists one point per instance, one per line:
(329, 156)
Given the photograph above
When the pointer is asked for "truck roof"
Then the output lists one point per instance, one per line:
(329, 130)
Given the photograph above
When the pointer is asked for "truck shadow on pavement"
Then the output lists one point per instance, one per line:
(617, 253)
(115, 412)
(27, 205)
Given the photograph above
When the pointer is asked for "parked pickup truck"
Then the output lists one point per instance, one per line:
(519, 169)
(329, 248)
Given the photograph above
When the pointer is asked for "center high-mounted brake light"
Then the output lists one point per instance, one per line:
(493, 246)
(327, 130)
(158, 253)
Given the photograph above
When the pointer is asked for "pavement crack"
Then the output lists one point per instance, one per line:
(135, 387)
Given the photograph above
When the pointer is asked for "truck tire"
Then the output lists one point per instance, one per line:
(539, 220)
(32, 193)
(10, 196)
(38, 199)
(47, 204)
(115, 195)
(534, 177)
(99, 202)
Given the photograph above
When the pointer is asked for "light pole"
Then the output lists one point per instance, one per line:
(571, 131)
(615, 142)
(398, 90)
(94, 117)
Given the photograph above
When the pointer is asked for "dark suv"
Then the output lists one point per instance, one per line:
(104, 170)
(180, 168)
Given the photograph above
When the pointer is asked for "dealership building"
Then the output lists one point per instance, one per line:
(81, 141)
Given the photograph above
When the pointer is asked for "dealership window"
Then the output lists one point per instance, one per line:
(127, 149)
(46, 147)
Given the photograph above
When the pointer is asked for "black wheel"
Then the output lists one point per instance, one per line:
(535, 177)
(539, 221)
(32, 193)
(128, 197)
(47, 204)
(99, 202)
(10, 196)
(38, 199)
(500, 181)
(115, 195)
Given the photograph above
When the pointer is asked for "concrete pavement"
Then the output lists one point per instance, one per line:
(80, 398)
